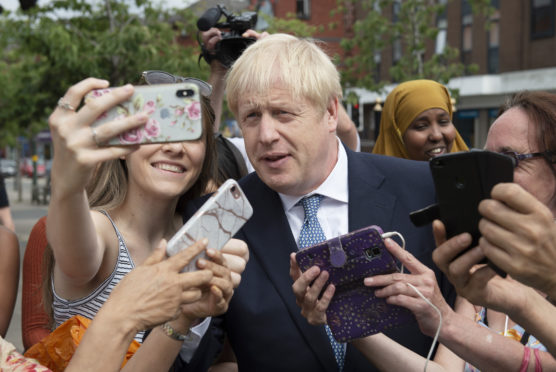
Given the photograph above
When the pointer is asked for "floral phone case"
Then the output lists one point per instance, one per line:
(174, 114)
(355, 311)
(218, 219)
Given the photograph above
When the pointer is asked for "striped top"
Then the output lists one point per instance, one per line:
(88, 306)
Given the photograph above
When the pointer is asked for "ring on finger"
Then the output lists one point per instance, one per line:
(95, 136)
(62, 103)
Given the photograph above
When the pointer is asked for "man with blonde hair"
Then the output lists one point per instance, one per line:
(284, 92)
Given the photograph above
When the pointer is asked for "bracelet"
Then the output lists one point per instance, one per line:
(538, 364)
(172, 333)
(525, 360)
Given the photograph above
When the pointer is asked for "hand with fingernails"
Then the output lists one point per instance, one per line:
(76, 142)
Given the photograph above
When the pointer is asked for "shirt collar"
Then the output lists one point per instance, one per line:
(335, 186)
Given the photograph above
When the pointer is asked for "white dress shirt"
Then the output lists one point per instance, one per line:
(333, 211)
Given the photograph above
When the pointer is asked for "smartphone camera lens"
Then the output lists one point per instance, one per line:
(183, 93)
(235, 192)
(459, 183)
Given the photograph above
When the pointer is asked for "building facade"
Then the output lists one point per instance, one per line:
(517, 51)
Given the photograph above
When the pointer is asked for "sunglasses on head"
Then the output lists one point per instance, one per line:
(162, 77)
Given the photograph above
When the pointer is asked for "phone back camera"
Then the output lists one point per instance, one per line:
(372, 253)
(459, 183)
(235, 192)
(183, 93)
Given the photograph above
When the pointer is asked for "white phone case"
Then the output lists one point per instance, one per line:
(218, 219)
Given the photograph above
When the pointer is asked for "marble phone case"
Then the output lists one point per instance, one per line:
(174, 114)
(354, 311)
(218, 219)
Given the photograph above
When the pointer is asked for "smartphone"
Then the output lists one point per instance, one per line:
(174, 114)
(355, 311)
(461, 181)
(218, 219)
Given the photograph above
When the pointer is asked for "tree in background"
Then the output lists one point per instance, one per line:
(46, 49)
(412, 24)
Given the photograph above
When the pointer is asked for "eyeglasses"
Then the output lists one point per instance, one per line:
(550, 156)
(162, 77)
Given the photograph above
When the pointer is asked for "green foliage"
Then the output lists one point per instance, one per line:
(376, 33)
(50, 48)
(291, 25)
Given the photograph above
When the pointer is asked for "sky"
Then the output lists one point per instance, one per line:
(14, 4)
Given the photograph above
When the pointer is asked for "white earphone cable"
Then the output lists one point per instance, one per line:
(435, 339)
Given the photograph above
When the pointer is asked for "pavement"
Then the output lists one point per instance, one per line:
(25, 214)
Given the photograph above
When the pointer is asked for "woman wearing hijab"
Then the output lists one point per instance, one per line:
(417, 123)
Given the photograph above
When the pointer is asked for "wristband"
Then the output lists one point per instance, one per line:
(172, 333)
(538, 365)
(525, 360)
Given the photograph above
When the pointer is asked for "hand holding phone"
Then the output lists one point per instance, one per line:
(218, 219)
(174, 112)
(462, 180)
(354, 310)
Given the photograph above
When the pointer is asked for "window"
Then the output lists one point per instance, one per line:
(493, 40)
(303, 9)
(542, 18)
(442, 26)
(466, 32)
(397, 43)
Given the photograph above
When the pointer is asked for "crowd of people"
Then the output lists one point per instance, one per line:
(100, 252)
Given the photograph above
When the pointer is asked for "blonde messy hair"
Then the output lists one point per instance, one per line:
(299, 64)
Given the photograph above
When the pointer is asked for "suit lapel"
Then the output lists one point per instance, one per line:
(271, 241)
(369, 202)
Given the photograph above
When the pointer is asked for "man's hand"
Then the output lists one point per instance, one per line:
(307, 286)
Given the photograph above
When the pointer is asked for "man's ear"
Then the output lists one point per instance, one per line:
(332, 114)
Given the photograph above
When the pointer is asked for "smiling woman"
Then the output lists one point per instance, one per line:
(416, 122)
(111, 205)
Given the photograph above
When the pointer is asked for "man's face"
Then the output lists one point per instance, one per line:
(291, 143)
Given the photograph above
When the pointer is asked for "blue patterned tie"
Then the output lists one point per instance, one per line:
(311, 233)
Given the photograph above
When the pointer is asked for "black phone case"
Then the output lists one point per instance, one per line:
(461, 181)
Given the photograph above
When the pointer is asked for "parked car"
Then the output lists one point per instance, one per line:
(26, 167)
(8, 167)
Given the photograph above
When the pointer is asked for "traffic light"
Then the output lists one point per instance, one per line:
(355, 113)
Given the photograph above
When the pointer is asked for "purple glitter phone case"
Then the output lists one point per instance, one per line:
(354, 311)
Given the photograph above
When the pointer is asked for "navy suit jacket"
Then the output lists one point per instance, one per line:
(264, 324)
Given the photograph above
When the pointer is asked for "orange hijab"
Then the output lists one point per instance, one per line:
(402, 106)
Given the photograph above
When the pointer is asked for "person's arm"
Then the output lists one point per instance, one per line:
(34, 320)
(149, 295)
(217, 77)
(6, 218)
(481, 347)
(77, 247)
(5, 212)
(346, 130)
(387, 355)
(519, 236)
(9, 276)
(213, 301)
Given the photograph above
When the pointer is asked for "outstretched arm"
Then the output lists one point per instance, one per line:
(71, 229)
(9, 276)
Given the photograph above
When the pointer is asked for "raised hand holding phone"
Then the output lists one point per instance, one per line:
(173, 110)
(222, 215)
